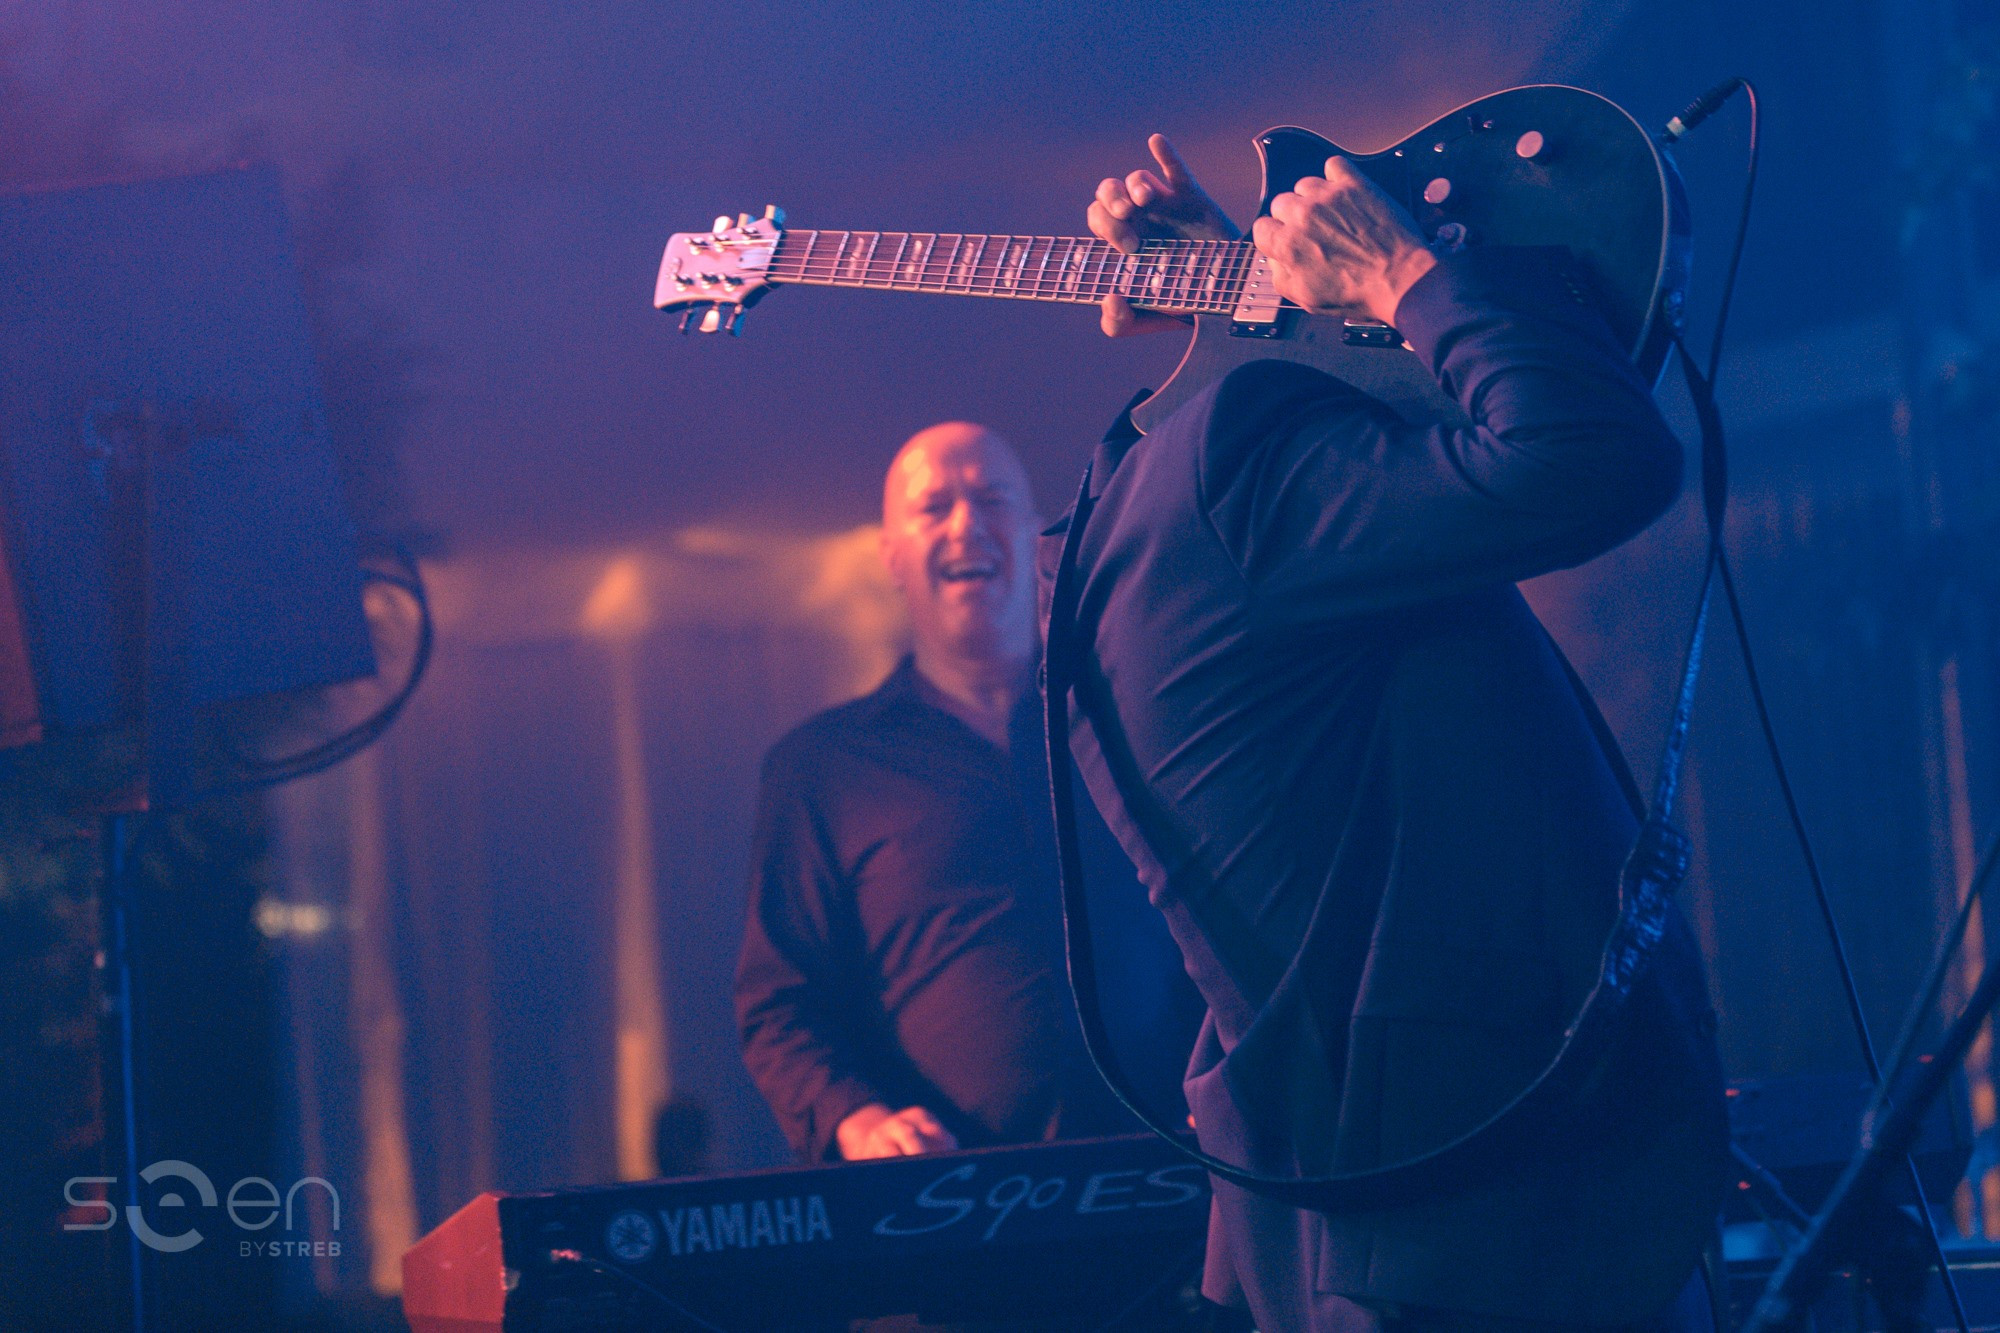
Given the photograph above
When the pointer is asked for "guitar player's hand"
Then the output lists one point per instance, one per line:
(1338, 244)
(1146, 205)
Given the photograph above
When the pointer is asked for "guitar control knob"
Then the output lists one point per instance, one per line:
(1437, 191)
(1530, 145)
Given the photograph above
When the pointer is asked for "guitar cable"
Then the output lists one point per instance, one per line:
(1714, 467)
(261, 773)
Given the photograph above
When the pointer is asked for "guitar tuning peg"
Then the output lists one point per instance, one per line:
(742, 220)
(712, 321)
(736, 323)
(687, 318)
(721, 223)
(774, 214)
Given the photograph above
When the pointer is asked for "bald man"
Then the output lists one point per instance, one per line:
(900, 988)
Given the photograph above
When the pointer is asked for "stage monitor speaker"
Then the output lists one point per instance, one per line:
(174, 523)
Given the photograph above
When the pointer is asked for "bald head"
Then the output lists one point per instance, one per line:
(958, 535)
(916, 464)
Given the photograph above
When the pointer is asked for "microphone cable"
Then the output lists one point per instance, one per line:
(1715, 481)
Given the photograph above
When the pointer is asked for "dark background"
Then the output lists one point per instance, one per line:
(479, 196)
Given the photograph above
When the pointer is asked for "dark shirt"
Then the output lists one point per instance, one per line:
(1378, 814)
(904, 940)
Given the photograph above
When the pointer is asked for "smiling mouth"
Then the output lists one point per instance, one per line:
(967, 571)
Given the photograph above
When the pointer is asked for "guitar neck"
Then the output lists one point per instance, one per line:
(1206, 277)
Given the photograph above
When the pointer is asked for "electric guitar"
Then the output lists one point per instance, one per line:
(1545, 165)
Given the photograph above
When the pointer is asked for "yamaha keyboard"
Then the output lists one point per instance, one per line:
(1092, 1228)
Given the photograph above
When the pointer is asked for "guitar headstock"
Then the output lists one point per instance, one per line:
(719, 273)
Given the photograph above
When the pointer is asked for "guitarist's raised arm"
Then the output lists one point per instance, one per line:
(1144, 206)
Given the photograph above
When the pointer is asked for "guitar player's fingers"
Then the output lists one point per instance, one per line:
(1145, 189)
(1341, 245)
(1175, 171)
(1300, 270)
(1177, 199)
(1109, 216)
(1339, 171)
(929, 1133)
(1143, 204)
(1118, 319)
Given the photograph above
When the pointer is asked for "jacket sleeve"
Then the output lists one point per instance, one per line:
(795, 987)
(1332, 506)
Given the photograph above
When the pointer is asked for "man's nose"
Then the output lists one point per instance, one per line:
(963, 519)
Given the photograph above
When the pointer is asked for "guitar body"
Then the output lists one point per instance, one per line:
(1597, 184)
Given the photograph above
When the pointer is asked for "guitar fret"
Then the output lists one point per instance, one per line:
(1202, 276)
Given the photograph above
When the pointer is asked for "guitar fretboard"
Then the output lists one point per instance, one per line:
(1206, 277)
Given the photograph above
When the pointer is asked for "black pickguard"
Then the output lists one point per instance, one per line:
(1600, 186)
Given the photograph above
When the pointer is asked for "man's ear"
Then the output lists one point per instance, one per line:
(883, 547)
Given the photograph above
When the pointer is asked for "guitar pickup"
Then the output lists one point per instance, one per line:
(1369, 333)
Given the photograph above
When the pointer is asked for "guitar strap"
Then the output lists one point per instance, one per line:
(1653, 870)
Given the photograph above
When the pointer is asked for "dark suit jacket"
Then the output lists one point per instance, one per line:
(1357, 779)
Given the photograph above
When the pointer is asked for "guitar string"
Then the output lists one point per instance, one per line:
(1089, 294)
(1192, 294)
(1233, 251)
(1166, 265)
(1086, 271)
(1181, 274)
(1232, 254)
